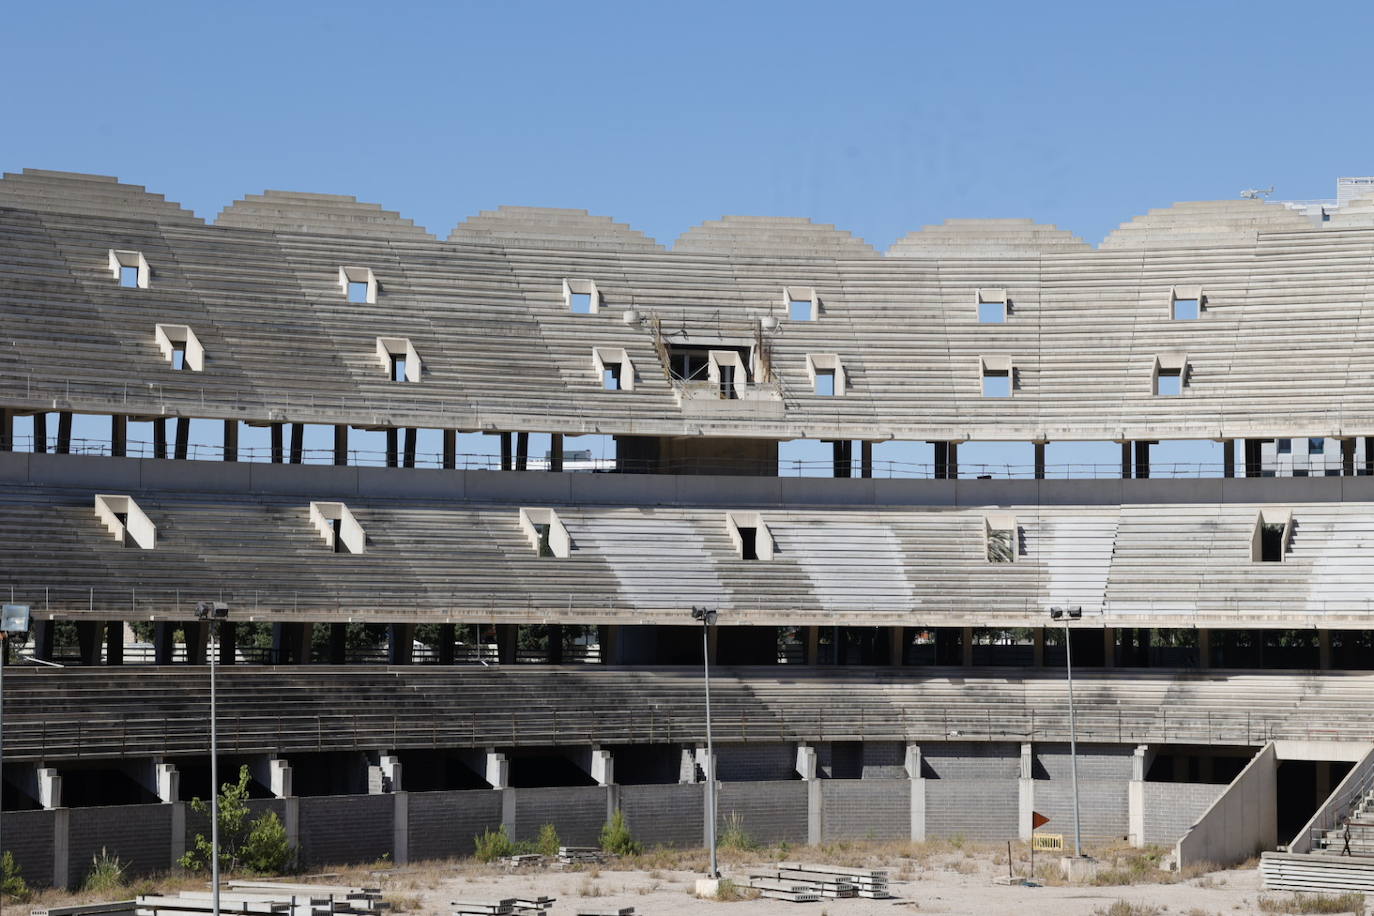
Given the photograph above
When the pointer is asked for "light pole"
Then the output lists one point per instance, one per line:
(213, 612)
(1067, 614)
(707, 616)
(13, 620)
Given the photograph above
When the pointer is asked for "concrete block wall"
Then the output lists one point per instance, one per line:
(671, 815)
(343, 829)
(1103, 807)
(755, 762)
(1095, 761)
(1171, 808)
(28, 835)
(866, 809)
(986, 810)
(443, 824)
(141, 835)
(579, 812)
(771, 811)
(884, 760)
(971, 760)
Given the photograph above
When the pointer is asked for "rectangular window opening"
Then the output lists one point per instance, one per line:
(1284, 446)
(996, 383)
(337, 526)
(992, 313)
(1185, 309)
(398, 368)
(748, 538)
(610, 377)
(1271, 542)
(799, 310)
(178, 356)
(1169, 382)
(543, 530)
(1001, 545)
(581, 303)
(1316, 446)
(357, 291)
(727, 382)
(128, 276)
(825, 382)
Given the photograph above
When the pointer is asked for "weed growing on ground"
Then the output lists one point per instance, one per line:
(728, 892)
(1126, 908)
(106, 874)
(734, 835)
(1351, 901)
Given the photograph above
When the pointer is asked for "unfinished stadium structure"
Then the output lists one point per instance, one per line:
(434, 630)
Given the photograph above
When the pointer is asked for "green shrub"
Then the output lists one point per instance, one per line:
(548, 842)
(13, 883)
(106, 875)
(616, 837)
(734, 835)
(259, 845)
(492, 846)
(266, 850)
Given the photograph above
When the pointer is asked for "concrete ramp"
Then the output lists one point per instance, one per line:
(1242, 822)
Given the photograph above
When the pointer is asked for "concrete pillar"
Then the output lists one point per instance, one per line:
(865, 459)
(1109, 647)
(40, 783)
(522, 451)
(507, 643)
(408, 455)
(297, 443)
(273, 773)
(341, 444)
(966, 647)
(400, 828)
(114, 642)
(392, 449)
(6, 429)
(178, 844)
(1135, 797)
(61, 848)
(505, 452)
(841, 458)
(338, 644)
(291, 820)
(1204, 648)
(197, 634)
(1228, 457)
(896, 646)
(687, 767)
(1323, 649)
(64, 432)
(227, 643)
(811, 650)
(183, 440)
(602, 767)
(554, 655)
(918, 793)
(556, 452)
(40, 433)
(1347, 457)
(1038, 647)
(450, 460)
(1125, 460)
(88, 641)
(230, 450)
(707, 763)
(1025, 793)
(274, 431)
(385, 777)
(159, 436)
(815, 800)
(164, 642)
(1253, 457)
(1369, 456)
(497, 770)
(119, 436)
(160, 779)
(1039, 458)
(400, 643)
(447, 636)
(946, 460)
(1142, 459)
(291, 643)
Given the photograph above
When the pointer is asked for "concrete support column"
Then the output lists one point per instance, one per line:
(1253, 457)
(297, 443)
(341, 444)
(918, 793)
(966, 647)
(865, 459)
(119, 436)
(841, 458)
(1347, 457)
(159, 436)
(273, 773)
(274, 431)
(230, 451)
(687, 767)
(400, 828)
(556, 452)
(88, 641)
(1324, 649)
(555, 651)
(1025, 793)
(707, 763)
(227, 643)
(1039, 458)
(338, 644)
(40, 783)
(896, 646)
(447, 636)
(291, 820)
(497, 771)
(946, 460)
(61, 848)
(1142, 459)
(601, 767)
(291, 643)
(64, 432)
(392, 449)
(40, 433)
(1228, 457)
(1135, 797)
(811, 646)
(114, 642)
(41, 633)
(522, 451)
(6, 429)
(1369, 456)
(1204, 648)
(400, 643)
(815, 800)
(164, 642)
(411, 439)
(183, 439)
(507, 643)
(450, 459)
(505, 452)
(1109, 647)
(197, 633)
(1125, 460)
(1038, 647)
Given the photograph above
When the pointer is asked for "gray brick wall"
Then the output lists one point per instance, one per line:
(579, 812)
(28, 836)
(971, 760)
(343, 829)
(1172, 807)
(755, 762)
(1095, 761)
(141, 835)
(771, 811)
(1103, 805)
(866, 809)
(985, 810)
(669, 815)
(884, 760)
(442, 824)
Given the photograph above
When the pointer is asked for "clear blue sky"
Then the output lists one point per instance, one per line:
(878, 117)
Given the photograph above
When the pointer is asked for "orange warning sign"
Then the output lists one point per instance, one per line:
(1038, 820)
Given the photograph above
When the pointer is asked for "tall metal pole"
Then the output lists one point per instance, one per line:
(710, 749)
(4, 663)
(215, 782)
(1073, 743)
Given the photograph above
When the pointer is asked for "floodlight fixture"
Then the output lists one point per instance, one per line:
(706, 615)
(15, 618)
(212, 610)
